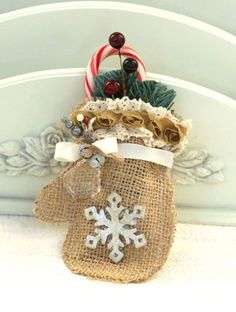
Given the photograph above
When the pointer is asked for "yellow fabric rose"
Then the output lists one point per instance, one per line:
(132, 119)
(172, 133)
(105, 119)
(154, 125)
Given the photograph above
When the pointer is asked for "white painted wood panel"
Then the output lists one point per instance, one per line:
(38, 100)
(66, 34)
(215, 12)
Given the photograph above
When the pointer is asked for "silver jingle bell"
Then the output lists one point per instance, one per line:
(97, 161)
(86, 151)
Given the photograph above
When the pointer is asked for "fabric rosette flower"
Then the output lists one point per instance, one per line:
(132, 119)
(105, 119)
(154, 125)
(172, 133)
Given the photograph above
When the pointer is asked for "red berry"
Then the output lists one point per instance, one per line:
(130, 65)
(112, 88)
(117, 40)
(86, 120)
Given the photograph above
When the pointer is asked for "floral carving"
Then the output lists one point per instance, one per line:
(49, 138)
(197, 165)
(32, 156)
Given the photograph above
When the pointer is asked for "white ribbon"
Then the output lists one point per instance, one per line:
(154, 155)
(107, 146)
(69, 152)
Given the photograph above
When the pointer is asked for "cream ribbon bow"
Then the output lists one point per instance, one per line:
(70, 152)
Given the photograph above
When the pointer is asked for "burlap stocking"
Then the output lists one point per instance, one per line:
(137, 182)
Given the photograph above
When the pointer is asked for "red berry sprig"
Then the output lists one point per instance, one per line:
(130, 65)
(112, 88)
(86, 120)
(117, 40)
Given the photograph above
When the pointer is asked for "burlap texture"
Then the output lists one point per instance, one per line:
(137, 182)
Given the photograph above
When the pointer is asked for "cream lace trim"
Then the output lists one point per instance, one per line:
(128, 105)
(122, 133)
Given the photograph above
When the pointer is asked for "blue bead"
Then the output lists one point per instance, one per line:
(76, 131)
(68, 123)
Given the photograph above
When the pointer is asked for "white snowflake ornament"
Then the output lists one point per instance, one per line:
(118, 229)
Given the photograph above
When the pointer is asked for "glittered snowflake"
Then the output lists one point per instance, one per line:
(115, 225)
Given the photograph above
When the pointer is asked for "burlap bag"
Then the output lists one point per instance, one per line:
(137, 182)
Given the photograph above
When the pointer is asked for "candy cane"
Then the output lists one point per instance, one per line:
(104, 52)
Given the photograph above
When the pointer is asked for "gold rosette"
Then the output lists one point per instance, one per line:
(132, 119)
(172, 133)
(154, 125)
(105, 119)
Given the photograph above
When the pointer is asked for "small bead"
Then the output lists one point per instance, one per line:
(76, 131)
(80, 117)
(67, 123)
(86, 120)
